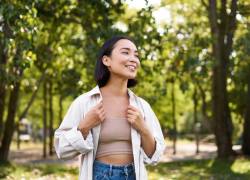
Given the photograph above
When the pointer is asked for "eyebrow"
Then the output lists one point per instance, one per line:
(128, 49)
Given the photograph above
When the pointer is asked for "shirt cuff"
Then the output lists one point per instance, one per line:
(75, 138)
(154, 159)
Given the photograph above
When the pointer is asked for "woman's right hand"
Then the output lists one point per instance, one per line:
(95, 116)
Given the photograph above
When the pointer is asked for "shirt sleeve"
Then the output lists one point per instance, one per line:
(155, 128)
(68, 141)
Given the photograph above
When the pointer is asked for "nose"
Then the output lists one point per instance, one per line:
(134, 59)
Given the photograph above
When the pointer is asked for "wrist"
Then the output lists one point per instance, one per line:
(84, 130)
(144, 131)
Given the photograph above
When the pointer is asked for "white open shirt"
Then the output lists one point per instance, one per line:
(69, 142)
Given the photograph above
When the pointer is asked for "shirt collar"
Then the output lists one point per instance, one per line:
(96, 90)
(130, 93)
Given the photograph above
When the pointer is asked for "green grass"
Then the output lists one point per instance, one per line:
(51, 171)
(202, 169)
(191, 170)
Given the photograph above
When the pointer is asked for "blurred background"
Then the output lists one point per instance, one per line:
(195, 73)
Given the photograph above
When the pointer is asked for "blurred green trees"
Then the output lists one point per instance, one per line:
(48, 51)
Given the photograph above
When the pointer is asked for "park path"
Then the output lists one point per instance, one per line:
(185, 151)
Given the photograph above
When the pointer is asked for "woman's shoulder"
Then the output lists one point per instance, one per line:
(143, 101)
(140, 99)
(86, 96)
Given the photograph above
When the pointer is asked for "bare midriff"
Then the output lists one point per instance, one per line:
(117, 159)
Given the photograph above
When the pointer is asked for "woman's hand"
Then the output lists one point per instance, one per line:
(147, 140)
(136, 120)
(95, 116)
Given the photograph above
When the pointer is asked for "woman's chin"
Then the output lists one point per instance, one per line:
(128, 75)
(131, 77)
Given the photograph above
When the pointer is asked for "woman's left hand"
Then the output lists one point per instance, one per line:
(135, 118)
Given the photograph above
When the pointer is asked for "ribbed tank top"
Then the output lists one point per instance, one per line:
(115, 137)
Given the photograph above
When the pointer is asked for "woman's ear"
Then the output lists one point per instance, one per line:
(106, 61)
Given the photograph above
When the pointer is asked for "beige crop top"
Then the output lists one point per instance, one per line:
(114, 137)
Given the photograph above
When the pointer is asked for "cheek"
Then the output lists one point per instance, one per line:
(121, 61)
(138, 63)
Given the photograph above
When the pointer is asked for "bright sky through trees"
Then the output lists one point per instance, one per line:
(141, 3)
(162, 15)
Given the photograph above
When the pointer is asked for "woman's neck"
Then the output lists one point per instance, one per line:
(115, 88)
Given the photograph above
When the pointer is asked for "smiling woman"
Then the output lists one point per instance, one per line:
(113, 130)
(117, 60)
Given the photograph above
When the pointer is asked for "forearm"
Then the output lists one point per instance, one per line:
(148, 142)
(69, 143)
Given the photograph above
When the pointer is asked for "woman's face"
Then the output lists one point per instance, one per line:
(124, 60)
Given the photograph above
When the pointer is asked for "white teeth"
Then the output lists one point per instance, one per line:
(131, 68)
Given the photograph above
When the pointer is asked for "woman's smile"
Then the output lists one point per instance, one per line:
(131, 67)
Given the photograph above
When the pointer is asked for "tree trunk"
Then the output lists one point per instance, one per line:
(222, 26)
(246, 127)
(60, 109)
(26, 109)
(174, 117)
(10, 123)
(12, 107)
(222, 122)
(196, 125)
(2, 106)
(44, 119)
(3, 62)
(204, 102)
(51, 117)
(18, 134)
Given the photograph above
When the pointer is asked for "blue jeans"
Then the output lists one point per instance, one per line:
(102, 171)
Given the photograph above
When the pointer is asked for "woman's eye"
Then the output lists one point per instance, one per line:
(124, 52)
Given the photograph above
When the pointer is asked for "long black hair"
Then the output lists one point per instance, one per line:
(102, 73)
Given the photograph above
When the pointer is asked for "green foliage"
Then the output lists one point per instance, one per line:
(240, 72)
(18, 24)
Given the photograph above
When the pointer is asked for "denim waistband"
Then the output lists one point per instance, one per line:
(111, 166)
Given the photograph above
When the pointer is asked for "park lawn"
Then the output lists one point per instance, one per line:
(191, 170)
(35, 171)
(238, 169)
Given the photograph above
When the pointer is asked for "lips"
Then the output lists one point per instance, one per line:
(131, 67)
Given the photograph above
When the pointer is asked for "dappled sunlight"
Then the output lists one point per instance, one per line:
(201, 169)
(241, 167)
